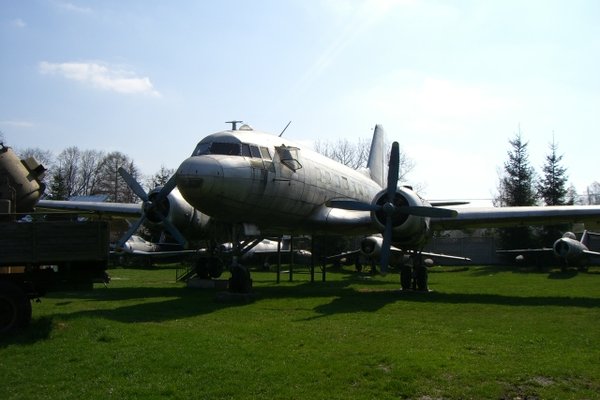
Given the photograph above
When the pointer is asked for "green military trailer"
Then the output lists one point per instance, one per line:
(38, 257)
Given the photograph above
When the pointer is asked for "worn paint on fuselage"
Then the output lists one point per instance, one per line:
(268, 190)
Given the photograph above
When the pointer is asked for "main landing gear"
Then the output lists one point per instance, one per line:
(415, 276)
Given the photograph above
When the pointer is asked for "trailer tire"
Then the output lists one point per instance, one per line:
(15, 308)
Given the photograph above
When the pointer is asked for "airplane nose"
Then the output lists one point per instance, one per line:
(196, 176)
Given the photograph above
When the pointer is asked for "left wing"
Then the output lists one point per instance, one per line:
(122, 210)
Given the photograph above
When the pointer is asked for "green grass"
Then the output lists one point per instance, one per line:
(482, 333)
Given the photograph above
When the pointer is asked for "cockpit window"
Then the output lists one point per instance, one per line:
(228, 149)
(233, 149)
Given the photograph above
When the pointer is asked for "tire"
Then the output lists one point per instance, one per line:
(15, 308)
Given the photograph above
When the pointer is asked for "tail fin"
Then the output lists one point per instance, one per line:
(376, 163)
(585, 240)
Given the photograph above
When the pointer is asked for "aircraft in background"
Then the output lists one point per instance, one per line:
(573, 252)
(139, 250)
(248, 184)
(370, 249)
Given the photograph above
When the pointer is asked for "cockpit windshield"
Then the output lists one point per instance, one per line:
(232, 149)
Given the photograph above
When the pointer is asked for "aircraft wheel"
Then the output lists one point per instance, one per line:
(15, 308)
(215, 267)
(422, 278)
(405, 277)
(202, 269)
(240, 281)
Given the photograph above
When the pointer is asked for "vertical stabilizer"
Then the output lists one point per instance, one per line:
(585, 240)
(376, 163)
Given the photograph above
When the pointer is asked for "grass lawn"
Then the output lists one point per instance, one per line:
(482, 333)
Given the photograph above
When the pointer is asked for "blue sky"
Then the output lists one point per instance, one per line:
(452, 81)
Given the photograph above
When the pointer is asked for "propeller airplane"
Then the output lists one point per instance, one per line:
(256, 185)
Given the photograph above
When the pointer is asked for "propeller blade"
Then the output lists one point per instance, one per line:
(175, 232)
(168, 188)
(431, 212)
(133, 184)
(130, 232)
(352, 205)
(394, 165)
(386, 245)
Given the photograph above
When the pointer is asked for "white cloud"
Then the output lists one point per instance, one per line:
(67, 6)
(18, 124)
(18, 23)
(101, 76)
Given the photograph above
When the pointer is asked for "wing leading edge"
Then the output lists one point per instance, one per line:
(498, 217)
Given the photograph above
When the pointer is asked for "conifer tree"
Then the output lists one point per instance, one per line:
(517, 188)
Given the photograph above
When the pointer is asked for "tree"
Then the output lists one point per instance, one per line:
(110, 181)
(517, 188)
(58, 188)
(593, 193)
(68, 159)
(552, 187)
(356, 155)
(89, 170)
(161, 177)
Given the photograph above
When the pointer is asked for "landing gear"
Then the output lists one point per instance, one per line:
(240, 281)
(210, 267)
(414, 277)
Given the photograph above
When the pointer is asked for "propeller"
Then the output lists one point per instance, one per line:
(153, 208)
(390, 209)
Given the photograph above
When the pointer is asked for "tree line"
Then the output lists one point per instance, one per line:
(75, 172)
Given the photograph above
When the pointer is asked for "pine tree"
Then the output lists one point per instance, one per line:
(517, 188)
(58, 187)
(552, 189)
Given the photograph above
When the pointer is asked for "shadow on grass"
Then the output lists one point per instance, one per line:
(160, 304)
(37, 331)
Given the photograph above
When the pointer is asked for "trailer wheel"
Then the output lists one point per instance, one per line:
(15, 308)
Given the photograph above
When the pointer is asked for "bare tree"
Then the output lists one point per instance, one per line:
(110, 181)
(356, 155)
(593, 193)
(89, 170)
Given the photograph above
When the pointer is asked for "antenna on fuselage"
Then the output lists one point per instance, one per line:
(234, 124)
(281, 134)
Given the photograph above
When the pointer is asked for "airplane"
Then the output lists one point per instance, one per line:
(248, 183)
(573, 252)
(138, 249)
(370, 249)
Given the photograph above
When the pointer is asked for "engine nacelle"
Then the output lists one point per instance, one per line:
(189, 221)
(408, 230)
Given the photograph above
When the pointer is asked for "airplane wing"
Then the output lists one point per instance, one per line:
(497, 217)
(445, 256)
(591, 253)
(526, 251)
(119, 210)
(155, 254)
